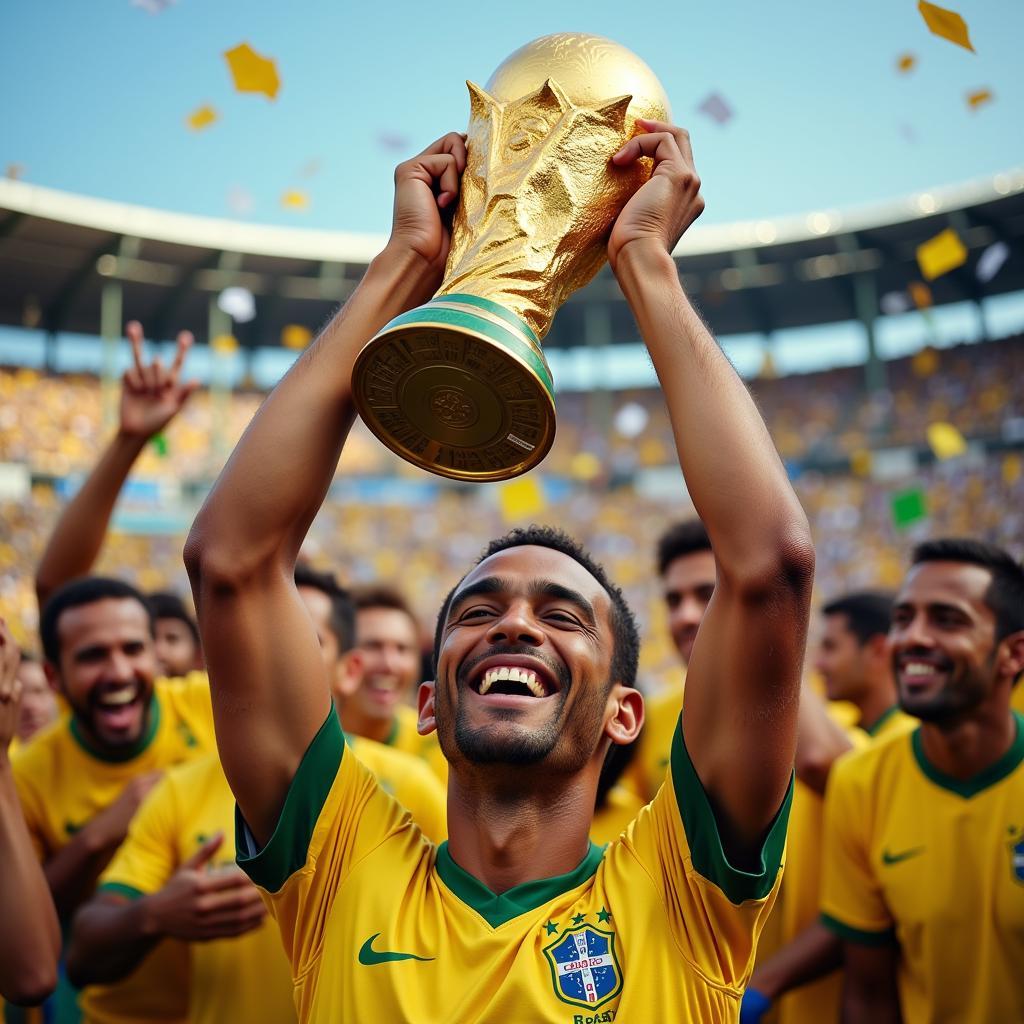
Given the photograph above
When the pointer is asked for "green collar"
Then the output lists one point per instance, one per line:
(882, 719)
(984, 779)
(126, 753)
(496, 909)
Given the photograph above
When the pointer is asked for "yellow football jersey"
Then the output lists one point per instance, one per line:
(63, 783)
(621, 806)
(646, 772)
(935, 864)
(243, 979)
(1017, 696)
(892, 723)
(657, 926)
(405, 737)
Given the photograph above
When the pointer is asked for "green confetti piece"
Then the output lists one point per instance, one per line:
(160, 446)
(909, 507)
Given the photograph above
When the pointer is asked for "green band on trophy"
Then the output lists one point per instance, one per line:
(459, 385)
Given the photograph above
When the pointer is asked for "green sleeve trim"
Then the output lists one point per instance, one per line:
(862, 938)
(120, 889)
(288, 847)
(702, 836)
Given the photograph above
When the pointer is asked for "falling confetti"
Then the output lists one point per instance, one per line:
(295, 200)
(979, 98)
(906, 63)
(920, 293)
(393, 141)
(224, 344)
(947, 24)
(201, 118)
(311, 168)
(991, 261)
(716, 107)
(252, 72)
(521, 499)
(239, 200)
(946, 441)
(909, 507)
(941, 254)
(239, 304)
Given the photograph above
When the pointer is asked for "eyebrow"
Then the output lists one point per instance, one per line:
(490, 585)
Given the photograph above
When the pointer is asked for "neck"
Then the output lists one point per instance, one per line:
(968, 746)
(875, 702)
(505, 835)
(354, 722)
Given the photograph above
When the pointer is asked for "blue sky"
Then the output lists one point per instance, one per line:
(94, 93)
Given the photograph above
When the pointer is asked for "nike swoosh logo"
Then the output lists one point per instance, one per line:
(368, 956)
(895, 858)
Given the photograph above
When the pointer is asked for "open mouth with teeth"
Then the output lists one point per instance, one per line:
(118, 710)
(917, 673)
(514, 681)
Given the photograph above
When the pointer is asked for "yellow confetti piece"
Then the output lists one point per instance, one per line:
(521, 499)
(295, 200)
(926, 362)
(941, 254)
(979, 98)
(945, 440)
(201, 118)
(224, 344)
(252, 72)
(920, 293)
(295, 336)
(1013, 468)
(860, 462)
(947, 24)
(906, 62)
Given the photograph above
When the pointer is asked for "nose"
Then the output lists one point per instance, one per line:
(515, 625)
(912, 633)
(688, 612)
(121, 667)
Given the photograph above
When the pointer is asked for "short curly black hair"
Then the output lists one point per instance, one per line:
(625, 632)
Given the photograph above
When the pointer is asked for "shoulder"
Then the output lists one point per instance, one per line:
(384, 760)
(37, 757)
(864, 767)
(196, 776)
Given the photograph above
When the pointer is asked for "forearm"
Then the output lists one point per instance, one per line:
(71, 873)
(865, 1006)
(109, 940)
(276, 479)
(78, 536)
(733, 474)
(819, 741)
(29, 932)
(814, 953)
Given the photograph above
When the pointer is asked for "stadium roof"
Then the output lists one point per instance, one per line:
(58, 251)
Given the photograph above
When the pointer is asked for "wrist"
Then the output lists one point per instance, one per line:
(403, 277)
(149, 921)
(643, 263)
(132, 441)
(765, 984)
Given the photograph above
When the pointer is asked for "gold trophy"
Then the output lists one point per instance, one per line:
(459, 386)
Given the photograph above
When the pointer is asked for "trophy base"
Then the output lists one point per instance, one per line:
(459, 387)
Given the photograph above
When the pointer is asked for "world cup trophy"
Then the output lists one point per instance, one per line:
(460, 386)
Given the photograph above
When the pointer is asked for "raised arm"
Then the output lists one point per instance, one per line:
(270, 693)
(743, 679)
(151, 396)
(29, 933)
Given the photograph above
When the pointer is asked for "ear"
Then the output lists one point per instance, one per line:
(613, 112)
(348, 676)
(481, 103)
(627, 714)
(425, 698)
(878, 648)
(1010, 658)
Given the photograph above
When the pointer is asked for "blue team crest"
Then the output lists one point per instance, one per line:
(584, 968)
(1017, 860)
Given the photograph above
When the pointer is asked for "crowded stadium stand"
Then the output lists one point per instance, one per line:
(854, 437)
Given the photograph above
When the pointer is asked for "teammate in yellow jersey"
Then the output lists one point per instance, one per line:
(38, 702)
(156, 889)
(390, 643)
(516, 918)
(802, 977)
(924, 837)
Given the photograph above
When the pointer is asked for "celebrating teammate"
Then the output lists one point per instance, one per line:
(924, 837)
(516, 917)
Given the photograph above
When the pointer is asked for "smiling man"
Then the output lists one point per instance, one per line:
(82, 778)
(517, 917)
(924, 833)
